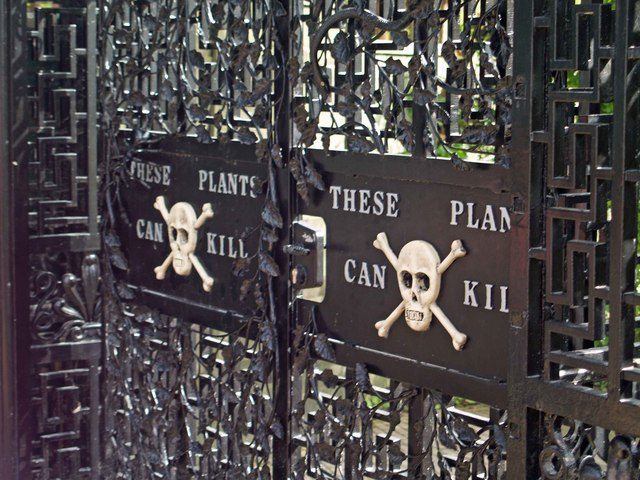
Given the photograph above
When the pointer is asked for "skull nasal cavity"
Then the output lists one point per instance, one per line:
(182, 236)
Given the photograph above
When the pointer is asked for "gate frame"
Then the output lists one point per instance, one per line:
(15, 401)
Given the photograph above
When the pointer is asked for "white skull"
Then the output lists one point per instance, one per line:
(183, 236)
(419, 282)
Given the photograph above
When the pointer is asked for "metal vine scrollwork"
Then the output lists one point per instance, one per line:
(65, 356)
(575, 450)
(195, 402)
(191, 401)
(425, 77)
(348, 423)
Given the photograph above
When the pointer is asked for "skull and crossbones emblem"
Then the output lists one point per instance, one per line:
(183, 225)
(419, 277)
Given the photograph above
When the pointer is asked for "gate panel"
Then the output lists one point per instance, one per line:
(587, 238)
(367, 86)
(287, 137)
(578, 382)
(65, 319)
(191, 385)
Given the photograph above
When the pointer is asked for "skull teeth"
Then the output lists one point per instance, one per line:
(413, 316)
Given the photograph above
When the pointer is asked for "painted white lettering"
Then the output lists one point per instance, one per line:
(232, 183)
(379, 275)
(148, 230)
(457, 208)
(335, 192)
(470, 219)
(150, 172)
(364, 201)
(221, 245)
(503, 299)
(222, 184)
(488, 288)
(489, 222)
(349, 265)
(505, 220)
(470, 294)
(349, 197)
(392, 205)
(489, 218)
(232, 251)
(361, 273)
(378, 200)
(254, 181)
(471, 297)
(244, 181)
(226, 183)
(365, 195)
(241, 251)
(211, 243)
(363, 279)
(225, 246)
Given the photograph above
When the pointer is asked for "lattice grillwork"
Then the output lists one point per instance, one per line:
(63, 157)
(588, 238)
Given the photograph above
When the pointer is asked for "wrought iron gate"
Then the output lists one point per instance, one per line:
(222, 200)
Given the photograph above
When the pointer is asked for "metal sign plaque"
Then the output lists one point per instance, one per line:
(192, 221)
(417, 270)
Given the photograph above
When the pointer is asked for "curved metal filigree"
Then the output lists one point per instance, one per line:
(348, 423)
(575, 450)
(66, 308)
(430, 78)
(188, 401)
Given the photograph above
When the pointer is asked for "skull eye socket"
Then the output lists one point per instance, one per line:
(406, 278)
(179, 235)
(423, 281)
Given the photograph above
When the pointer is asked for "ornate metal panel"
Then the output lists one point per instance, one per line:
(63, 155)
(587, 155)
(66, 355)
(244, 333)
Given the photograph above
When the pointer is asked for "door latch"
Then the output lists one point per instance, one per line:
(308, 264)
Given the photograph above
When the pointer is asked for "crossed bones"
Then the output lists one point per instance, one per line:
(183, 225)
(419, 276)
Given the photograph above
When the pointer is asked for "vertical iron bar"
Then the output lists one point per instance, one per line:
(617, 321)
(415, 433)
(524, 316)
(92, 126)
(282, 448)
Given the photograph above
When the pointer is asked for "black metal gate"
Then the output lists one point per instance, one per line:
(320, 239)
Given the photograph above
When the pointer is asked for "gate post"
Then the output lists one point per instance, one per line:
(524, 424)
(15, 420)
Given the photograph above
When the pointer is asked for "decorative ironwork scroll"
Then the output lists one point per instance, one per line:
(66, 326)
(348, 423)
(416, 77)
(188, 401)
(574, 449)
